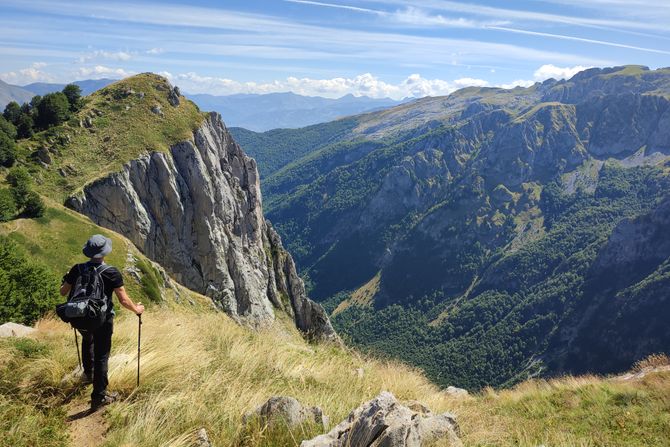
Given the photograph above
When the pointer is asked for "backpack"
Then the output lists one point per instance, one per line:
(86, 308)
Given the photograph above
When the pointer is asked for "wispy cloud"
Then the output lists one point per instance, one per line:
(516, 15)
(102, 54)
(101, 71)
(337, 6)
(579, 39)
(251, 34)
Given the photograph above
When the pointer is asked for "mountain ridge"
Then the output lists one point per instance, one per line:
(449, 200)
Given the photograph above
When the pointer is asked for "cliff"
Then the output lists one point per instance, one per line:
(196, 210)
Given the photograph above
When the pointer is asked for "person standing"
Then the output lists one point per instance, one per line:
(96, 345)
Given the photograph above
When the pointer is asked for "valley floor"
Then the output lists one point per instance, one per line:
(199, 369)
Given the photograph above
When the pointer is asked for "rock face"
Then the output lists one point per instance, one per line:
(287, 411)
(383, 421)
(15, 330)
(197, 212)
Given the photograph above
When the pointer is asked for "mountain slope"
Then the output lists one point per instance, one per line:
(9, 93)
(141, 160)
(473, 223)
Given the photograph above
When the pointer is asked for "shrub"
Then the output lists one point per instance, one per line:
(33, 205)
(7, 127)
(25, 126)
(52, 110)
(7, 205)
(73, 94)
(20, 181)
(12, 112)
(28, 289)
(7, 150)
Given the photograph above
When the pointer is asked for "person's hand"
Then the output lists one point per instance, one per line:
(139, 309)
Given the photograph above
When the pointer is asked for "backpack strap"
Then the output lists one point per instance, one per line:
(103, 268)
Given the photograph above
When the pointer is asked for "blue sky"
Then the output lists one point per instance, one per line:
(332, 47)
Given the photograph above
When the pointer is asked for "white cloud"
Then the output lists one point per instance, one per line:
(101, 71)
(545, 72)
(362, 85)
(552, 71)
(517, 83)
(27, 75)
(155, 51)
(110, 55)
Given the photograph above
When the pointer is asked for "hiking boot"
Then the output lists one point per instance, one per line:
(101, 402)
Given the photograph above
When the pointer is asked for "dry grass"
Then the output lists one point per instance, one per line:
(200, 369)
(651, 362)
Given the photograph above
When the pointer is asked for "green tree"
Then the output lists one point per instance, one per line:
(25, 126)
(52, 110)
(73, 94)
(7, 150)
(33, 205)
(12, 112)
(21, 183)
(28, 289)
(7, 127)
(7, 205)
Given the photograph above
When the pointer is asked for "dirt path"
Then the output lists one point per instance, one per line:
(87, 429)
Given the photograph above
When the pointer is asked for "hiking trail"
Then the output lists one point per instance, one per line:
(87, 428)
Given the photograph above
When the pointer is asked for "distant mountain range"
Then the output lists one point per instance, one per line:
(490, 235)
(9, 93)
(87, 86)
(285, 110)
(254, 112)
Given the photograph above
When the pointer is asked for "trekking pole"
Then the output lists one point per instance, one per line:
(76, 343)
(139, 338)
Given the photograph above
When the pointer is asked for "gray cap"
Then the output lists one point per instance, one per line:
(97, 246)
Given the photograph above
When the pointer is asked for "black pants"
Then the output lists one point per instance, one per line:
(95, 347)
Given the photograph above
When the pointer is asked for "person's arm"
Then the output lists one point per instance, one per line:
(126, 302)
(65, 288)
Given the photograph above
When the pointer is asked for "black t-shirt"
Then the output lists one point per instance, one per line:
(111, 279)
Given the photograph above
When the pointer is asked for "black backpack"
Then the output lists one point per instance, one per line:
(86, 308)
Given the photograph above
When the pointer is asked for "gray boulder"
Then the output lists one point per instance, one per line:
(384, 422)
(288, 411)
(456, 392)
(202, 439)
(173, 96)
(15, 330)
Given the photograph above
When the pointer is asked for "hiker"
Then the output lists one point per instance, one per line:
(97, 343)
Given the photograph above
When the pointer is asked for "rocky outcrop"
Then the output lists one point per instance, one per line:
(286, 411)
(635, 248)
(384, 421)
(196, 210)
(15, 330)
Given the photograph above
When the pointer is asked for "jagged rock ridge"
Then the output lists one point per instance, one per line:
(197, 211)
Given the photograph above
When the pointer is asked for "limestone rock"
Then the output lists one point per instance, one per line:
(287, 411)
(44, 156)
(173, 96)
(156, 109)
(197, 212)
(202, 439)
(456, 392)
(383, 421)
(10, 329)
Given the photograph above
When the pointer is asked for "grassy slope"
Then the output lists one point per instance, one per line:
(209, 371)
(123, 127)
